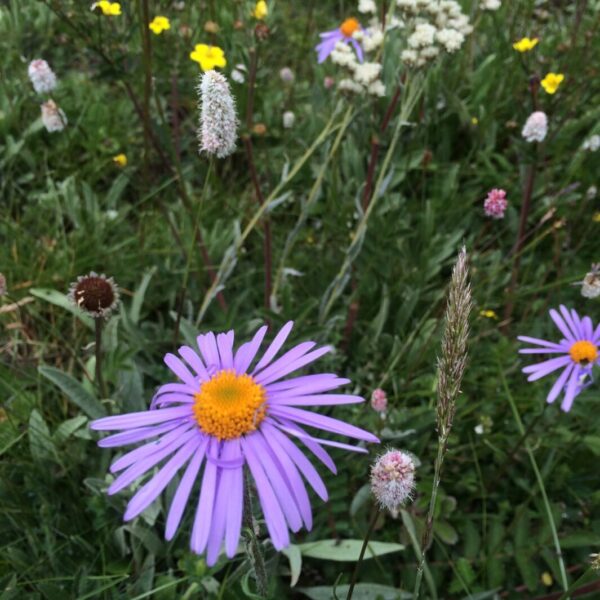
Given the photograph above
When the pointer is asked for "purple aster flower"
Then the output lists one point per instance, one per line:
(222, 416)
(578, 352)
(344, 33)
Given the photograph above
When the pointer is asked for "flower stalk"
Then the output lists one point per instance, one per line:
(255, 553)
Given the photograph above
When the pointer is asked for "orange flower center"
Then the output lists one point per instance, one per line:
(583, 352)
(349, 26)
(229, 405)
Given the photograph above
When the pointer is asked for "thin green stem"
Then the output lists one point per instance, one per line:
(362, 552)
(540, 481)
(255, 554)
(98, 322)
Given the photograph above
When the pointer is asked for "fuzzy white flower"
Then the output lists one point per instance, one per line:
(451, 39)
(286, 75)
(218, 121)
(424, 35)
(349, 85)
(409, 6)
(490, 4)
(367, 6)
(41, 76)
(53, 117)
(377, 88)
(239, 73)
(429, 52)
(289, 118)
(372, 40)
(536, 127)
(409, 57)
(393, 479)
(342, 55)
(592, 144)
(367, 72)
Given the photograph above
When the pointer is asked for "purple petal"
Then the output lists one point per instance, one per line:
(192, 358)
(293, 354)
(150, 491)
(203, 518)
(315, 400)
(588, 328)
(326, 47)
(333, 33)
(207, 344)
(140, 419)
(572, 323)
(298, 458)
(542, 369)
(235, 504)
(559, 322)
(138, 469)
(596, 336)
(177, 366)
(281, 489)
(183, 492)
(559, 384)
(318, 421)
(176, 388)
(288, 471)
(135, 435)
(306, 384)
(542, 351)
(270, 506)
(147, 449)
(359, 50)
(538, 342)
(305, 437)
(246, 352)
(573, 389)
(275, 346)
(288, 366)
(169, 399)
(225, 346)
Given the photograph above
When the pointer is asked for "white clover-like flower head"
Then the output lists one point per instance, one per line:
(393, 479)
(42, 77)
(536, 127)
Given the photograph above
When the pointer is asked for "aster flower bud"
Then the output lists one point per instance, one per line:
(379, 400)
(95, 294)
(393, 479)
(495, 204)
(42, 77)
(218, 121)
(53, 117)
(536, 127)
(286, 75)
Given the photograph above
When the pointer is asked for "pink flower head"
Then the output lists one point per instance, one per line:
(42, 77)
(379, 400)
(536, 127)
(495, 204)
(328, 82)
(393, 479)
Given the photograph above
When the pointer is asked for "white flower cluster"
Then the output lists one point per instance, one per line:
(218, 121)
(490, 4)
(53, 117)
(433, 26)
(592, 143)
(536, 127)
(42, 77)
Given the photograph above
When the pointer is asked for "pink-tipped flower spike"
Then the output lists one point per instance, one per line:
(42, 77)
(536, 127)
(393, 479)
(379, 400)
(577, 354)
(495, 204)
(53, 117)
(233, 411)
(344, 33)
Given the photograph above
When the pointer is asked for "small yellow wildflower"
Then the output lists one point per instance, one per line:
(596, 217)
(260, 10)
(551, 82)
(110, 9)
(488, 314)
(474, 121)
(547, 579)
(120, 160)
(208, 57)
(159, 24)
(525, 44)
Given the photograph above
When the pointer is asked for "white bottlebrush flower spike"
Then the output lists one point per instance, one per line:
(42, 77)
(218, 121)
(536, 127)
(53, 117)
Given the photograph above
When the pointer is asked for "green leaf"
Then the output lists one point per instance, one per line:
(40, 442)
(362, 591)
(68, 428)
(294, 555)
(75, 391)
(360, 499)
(346, 550)
(59, 299)
(138, 297)
(446, 532)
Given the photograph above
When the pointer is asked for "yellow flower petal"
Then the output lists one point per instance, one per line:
(525, 44)
(551, 82)
(110, 9)
(261, 10)
(120, 160)
(208, 57)
(159, 24)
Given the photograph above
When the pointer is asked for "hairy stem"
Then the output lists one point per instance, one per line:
(98, 323)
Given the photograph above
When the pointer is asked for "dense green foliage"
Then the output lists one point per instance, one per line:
(67, 209)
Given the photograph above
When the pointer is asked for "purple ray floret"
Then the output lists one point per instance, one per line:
(195, 427)
(577, 353)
